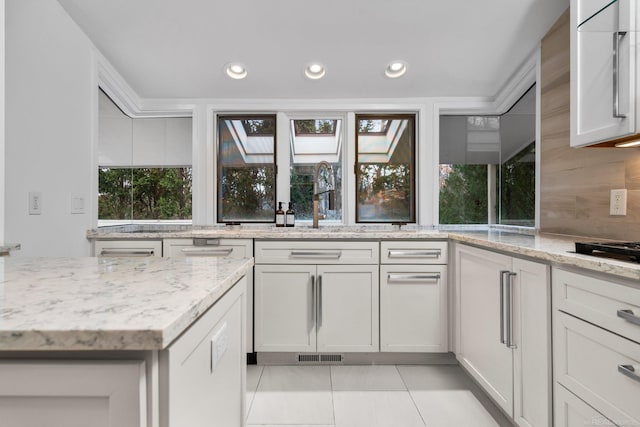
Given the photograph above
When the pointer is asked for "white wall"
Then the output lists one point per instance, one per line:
(51, 115)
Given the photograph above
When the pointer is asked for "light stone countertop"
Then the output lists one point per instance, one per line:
(107, 303)
(555, 249)
(551, 248)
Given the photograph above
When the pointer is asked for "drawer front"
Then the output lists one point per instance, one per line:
(413, 252)
(598, 367)
(127, 248)
(226, 248)
(316, 252)
(570, 411)
(610, 305)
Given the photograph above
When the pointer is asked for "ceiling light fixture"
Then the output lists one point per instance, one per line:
(236, 71)
(315, 71)
(395, 69)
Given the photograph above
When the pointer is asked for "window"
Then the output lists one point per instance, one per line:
(144, 170)
(313, 141)
(246, 177)
(487, 167)
(144, 193)
(385, 170)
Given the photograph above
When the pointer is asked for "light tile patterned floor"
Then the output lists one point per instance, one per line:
(367, 396)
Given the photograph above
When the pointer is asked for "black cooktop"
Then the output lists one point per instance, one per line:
(623, 250)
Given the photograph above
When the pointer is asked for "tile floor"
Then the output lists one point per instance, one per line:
(367, 396)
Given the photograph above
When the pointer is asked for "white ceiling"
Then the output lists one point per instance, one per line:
(178, 49)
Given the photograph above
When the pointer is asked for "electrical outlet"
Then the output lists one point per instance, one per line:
(618, 202)
(35, 203)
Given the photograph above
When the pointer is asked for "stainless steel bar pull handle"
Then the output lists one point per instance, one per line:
(509, 310)
(629, 371)
(629, 316)
(316, 254)
(411, 277)
(206, 252)
(319, 300)
(313, 299)
(617, 35)
(432, 253)
(502, 273)
(127, 252)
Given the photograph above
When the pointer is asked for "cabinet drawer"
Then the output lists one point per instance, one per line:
(227, 248)
(316, 252)
(416, 252)
(598, 301)
(570, 411)
(127, 248)
(588, 361)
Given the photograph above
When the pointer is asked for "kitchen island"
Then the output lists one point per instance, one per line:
(122, 342)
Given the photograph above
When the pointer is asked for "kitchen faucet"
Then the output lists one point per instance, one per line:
(316, 195)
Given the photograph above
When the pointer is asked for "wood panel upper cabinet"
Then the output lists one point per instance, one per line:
(604, 86)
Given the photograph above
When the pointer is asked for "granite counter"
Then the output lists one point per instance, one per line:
(50, 304)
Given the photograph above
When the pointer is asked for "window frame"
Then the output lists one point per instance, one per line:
(414, 122)
(218, 159)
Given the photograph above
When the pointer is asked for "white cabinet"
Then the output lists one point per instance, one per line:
(604, 85)
(58, 393)
(285, 308)
(503, 330)
(198, 380)
(308, 299)
(227, 248)
(127, 248)
(413, 296)
(203, 373)
(597, 347)
(203, 247)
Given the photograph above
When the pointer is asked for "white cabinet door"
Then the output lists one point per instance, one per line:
(413, 308)
(599, 77)
(480, 351)
(57, 393)
(532, 340)
(347, 312)
(284, 307)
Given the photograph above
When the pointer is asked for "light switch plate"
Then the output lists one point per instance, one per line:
(618, 202)
(77, 204)
(35, 202)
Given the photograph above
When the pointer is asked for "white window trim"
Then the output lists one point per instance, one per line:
(312, 109)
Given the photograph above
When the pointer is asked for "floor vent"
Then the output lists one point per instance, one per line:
(336, 358)
(320, 358)
(308, 358)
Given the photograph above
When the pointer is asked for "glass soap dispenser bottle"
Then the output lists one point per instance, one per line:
(290, 216)
(279, 216)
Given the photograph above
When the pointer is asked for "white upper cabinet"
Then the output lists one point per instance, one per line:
(604, 89)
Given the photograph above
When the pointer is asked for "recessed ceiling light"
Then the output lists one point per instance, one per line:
(315, 71)
(236, 71)
(395, 69)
